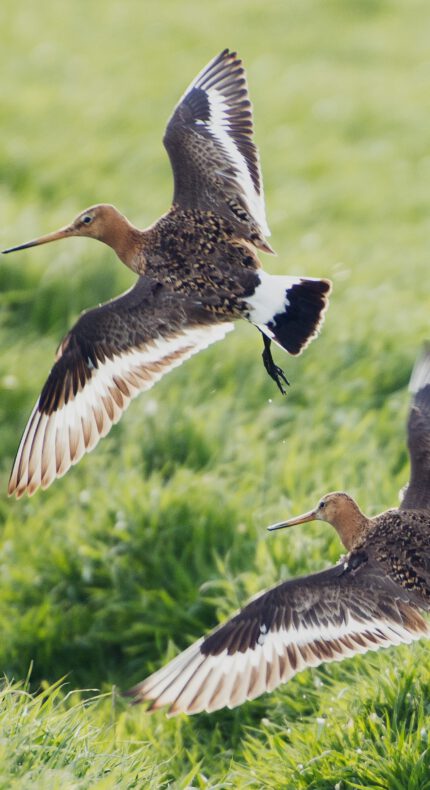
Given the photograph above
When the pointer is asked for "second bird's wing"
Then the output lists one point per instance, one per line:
(324, 617)
(209, 141)
(417, 493)
(112, 353)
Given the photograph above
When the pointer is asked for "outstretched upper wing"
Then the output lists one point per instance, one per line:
(301, 623)
(209, 141)
(112, 353)
(417, 494)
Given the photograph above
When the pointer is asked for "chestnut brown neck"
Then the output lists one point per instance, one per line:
(351, 524)
(127, 241)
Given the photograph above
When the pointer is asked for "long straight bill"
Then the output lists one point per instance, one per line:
(58, 234)
(309, 516)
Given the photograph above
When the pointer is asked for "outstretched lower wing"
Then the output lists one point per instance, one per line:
(324, 617)
(209, 141)
(417, 493)
(112, 353)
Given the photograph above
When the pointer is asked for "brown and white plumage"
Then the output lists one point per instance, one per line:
(373, 598)
(299, 624)
(112, 353)
(209, 141)
(198, 271)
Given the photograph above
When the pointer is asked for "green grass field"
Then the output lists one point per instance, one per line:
(160, 533)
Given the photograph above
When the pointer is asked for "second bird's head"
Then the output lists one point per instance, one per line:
(338, 509)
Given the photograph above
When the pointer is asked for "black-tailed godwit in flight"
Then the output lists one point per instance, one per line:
(198, 271)
(372, 598)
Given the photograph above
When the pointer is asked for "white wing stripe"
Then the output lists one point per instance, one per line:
(420, 376)
(219, 126)
(193, 681)
(52, 443)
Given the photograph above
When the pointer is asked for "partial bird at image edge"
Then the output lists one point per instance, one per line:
(372, 598)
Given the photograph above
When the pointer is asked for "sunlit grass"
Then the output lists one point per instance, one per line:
(160, 533)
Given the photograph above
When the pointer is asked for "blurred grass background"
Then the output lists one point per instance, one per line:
(160, 532)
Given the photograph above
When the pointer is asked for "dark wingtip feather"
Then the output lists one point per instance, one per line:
(133, 694)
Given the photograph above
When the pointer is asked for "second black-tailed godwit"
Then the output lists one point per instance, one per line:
(372, 598)
(198, 271)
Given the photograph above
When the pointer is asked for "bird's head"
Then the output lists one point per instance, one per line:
(338, 509)
(103, 222)
(94, 222)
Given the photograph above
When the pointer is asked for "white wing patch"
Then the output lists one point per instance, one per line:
(219, 80)
(195, 682)
(420, 376)
(52, 443)
(219, 126)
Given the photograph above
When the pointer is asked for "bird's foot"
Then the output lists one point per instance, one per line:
(274, 371)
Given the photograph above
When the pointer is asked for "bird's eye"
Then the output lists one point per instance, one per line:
(321, 504)
(87, 219)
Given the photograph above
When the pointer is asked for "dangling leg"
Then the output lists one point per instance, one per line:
(275, 372)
